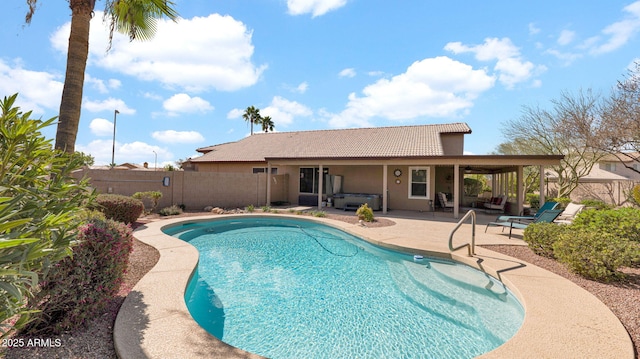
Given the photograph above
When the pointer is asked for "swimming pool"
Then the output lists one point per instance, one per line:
(286, 288)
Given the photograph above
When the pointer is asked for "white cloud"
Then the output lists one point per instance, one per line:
(37, 90)
(314, 7)
(194, 54)
(101, 127)
(183, 103)
(433, 87)
(110, 104)
(533, 29)
(566, 37)
(135, 152)
(511, 68)
(283, 111)
(171, 136)
(566, 57)
(617, 34)
(302, 88)
(349, 72)
(492, 49)
(114, 83)
(100, 85)
(235, 113)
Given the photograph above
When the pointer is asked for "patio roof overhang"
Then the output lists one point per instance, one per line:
(478, 163)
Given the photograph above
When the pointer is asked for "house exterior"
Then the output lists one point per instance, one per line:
(610, 180)
(401, 167)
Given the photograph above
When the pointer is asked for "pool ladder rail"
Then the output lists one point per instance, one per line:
(470, 246)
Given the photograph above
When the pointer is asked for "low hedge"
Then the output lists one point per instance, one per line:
(596, 254)
(541, 237)
(119, 208)
(623, 222)
(79, 287)
(596, 245)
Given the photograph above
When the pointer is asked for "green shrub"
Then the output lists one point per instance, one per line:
(635, 194)
(250, 208)
(472, 186)
(365, 213)
(563, 201)
(120, 208)
(319, 213)
(596, 254)
(78, 287)
(170, 211)
(541, 237)
(622, 222)
(266, 209)
(40, 205)
(533, 199)
(153, 196)
(596, 204)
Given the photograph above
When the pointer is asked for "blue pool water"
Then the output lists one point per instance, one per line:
(288, 288)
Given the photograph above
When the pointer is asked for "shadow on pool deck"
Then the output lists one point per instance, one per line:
(562, 320)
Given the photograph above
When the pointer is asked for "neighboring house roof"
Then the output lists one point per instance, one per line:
(378, 142)
(625, 157)
(123, 166)
(597, 174)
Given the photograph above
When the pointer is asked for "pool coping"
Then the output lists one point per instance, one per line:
(561, 318)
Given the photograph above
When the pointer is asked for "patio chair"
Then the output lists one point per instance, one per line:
(546, 206)
(444, 203)
(496, 204)
(569, 213)
(547, 216)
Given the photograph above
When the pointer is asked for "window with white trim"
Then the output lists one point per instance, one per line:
(419, 182)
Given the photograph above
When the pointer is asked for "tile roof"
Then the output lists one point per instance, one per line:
(378, 142)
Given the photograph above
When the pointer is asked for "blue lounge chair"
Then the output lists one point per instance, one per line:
(546, 206)
(547, 216)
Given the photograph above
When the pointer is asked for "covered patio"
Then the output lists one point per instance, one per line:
(394, 177)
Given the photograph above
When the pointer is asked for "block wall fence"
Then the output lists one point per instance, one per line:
(194, 190)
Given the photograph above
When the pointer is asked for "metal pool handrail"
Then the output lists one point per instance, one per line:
(471, 246)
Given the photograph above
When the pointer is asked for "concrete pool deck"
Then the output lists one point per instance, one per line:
(562, 320)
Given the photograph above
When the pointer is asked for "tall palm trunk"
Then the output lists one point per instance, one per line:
(77, 55)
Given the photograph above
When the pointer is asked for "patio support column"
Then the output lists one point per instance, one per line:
(520, 189)
(385, 190)
(320, 186)
(542, 188)
(456, 190)
(505, 183)
(268, 184)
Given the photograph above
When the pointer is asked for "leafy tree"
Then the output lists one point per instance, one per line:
(252, 115)
(553, 131)
(267, 124)
(87, 159)
(618, 132)
(40, 207)
(136, 18)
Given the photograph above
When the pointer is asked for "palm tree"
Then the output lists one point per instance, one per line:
(135, 18)
(267, 124)
(252, 115)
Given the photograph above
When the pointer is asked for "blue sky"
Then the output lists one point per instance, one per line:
(316, 64)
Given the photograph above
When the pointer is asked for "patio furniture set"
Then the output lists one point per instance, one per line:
(546, 214)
